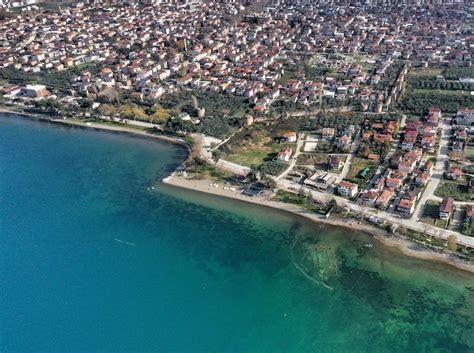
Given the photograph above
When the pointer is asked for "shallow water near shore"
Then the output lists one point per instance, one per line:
(92, 260)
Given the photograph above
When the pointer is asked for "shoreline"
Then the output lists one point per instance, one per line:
(405, 246)
(98, 127)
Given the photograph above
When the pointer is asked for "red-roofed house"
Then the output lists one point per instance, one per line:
(465, 117)
(406, 206)
(347, 189)
(435, 112)
(446, 207)
(409, 140)
(469, 212)
(285, 154)
(384, 198)
(422, 178)
(454, 173)
(369, 197)
(185, 80)
(290, 136)
(428, 167)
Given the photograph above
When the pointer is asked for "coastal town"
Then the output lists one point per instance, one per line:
(364, 110)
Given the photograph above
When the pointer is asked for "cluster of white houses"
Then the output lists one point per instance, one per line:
(154, 47)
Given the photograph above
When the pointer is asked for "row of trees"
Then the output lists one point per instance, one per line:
(390, 76)
(60, 80)
(216, 104)
(376, 147)
(331, 120)
(272, 167)
(455, 73)
(419, 102)
(219, 127)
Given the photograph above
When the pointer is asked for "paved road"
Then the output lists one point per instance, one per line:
(439, 168)
(294, 159)
(347, 164)
(407, 223)
(206, 154)
(360, 209)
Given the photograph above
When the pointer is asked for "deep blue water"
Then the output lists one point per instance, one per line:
(193, 273)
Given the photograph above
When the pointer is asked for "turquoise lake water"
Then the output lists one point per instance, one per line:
(93, 261)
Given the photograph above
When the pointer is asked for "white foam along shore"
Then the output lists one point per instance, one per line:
(404, 246)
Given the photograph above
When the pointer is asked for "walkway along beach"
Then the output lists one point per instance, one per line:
(202, 185)
(405, 246)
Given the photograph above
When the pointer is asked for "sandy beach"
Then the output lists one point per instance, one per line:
(97, 126)
(405, 246)
(203, 185)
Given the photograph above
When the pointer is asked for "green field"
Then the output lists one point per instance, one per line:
(426, 72)
(468, 229)
(455, 189)
(255, 157)
(297, 199)
(469, 152)
(312, 159)
(359, 164)
(362, 60)
(419, 100)
(430, 212)
(442, 92)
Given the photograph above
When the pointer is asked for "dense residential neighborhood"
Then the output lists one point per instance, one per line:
(350, 56)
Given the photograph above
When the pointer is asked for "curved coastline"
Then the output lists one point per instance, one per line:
(405, 246)
(98, 127)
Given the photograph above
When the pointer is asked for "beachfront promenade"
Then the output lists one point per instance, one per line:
(367, 211)
(289, 185)
(410, 223)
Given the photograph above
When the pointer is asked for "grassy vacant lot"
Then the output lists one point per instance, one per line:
(363, 60)
(469, 152)
(359, 164)
(430, 212)
(468, 229)
(456, 189)
(319, 160)
(215, 104)
(442, 92)
(255, 155)
(426, 72)
(256, 144)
